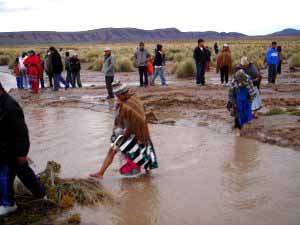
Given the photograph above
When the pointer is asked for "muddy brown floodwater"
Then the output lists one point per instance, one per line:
(207, 176)
(204, 177)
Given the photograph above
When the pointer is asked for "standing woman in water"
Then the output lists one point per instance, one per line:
(241, 94)
(131, 136)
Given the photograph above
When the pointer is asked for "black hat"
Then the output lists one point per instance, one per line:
(1, 87)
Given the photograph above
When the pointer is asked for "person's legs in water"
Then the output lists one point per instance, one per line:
(238, 127)
(107, 162)
(29, 179)
(7, 177)
(109, 80)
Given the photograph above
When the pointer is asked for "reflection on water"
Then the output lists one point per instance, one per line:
(204, 177)
(8, 81)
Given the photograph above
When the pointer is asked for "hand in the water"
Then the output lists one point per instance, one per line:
(96, 175)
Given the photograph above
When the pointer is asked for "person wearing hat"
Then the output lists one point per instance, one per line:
(251, 70)
(14, 148)
(224, 64)
(75, 67)
(35, 70)
(109, 71)
(130, 136)
(142, 57)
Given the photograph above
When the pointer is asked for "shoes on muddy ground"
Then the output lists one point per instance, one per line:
(5, 210)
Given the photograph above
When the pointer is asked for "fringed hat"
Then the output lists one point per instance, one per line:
(121, 89)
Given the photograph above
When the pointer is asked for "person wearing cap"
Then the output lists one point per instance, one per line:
(251, 70)
(35, 70)
(57, 68)
(75, 67)
(109, 71)
(14, 148)
(200, 57)
(69, 79)
(142, 57)
(130, 136)
(224, 64)
(272, 60)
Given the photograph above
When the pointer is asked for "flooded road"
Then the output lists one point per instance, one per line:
(205, 177)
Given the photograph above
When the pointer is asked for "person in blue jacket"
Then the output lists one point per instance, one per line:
(272, 60)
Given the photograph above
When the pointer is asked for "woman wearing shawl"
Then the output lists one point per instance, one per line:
(240, 96)
(130, 136)
(255, 76)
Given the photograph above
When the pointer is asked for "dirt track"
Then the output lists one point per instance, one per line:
(182, 102)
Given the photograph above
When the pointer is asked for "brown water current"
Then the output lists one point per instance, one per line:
(205, 176)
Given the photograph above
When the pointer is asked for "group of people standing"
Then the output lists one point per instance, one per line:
(29, 69)
(146, 65)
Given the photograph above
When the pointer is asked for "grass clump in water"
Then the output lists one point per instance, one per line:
(275, 111)
(62, 194)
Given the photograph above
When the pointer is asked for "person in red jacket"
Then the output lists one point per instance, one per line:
(33, 65)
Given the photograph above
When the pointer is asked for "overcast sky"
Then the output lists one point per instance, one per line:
(250, 17)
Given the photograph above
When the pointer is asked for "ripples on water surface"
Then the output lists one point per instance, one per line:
(204, 177)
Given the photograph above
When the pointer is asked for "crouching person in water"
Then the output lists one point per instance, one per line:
(240, 96)
(130, 136)
(14, 147)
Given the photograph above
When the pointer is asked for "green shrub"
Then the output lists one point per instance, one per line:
(294, 61)
(4, 60)
(174, 68)
(178, 57)
(124, 65)
(186, 69)
(96, 65)
(275, 111)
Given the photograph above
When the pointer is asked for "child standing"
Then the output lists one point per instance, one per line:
(16, 71)
(150, 70)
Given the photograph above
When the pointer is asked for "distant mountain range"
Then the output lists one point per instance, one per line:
(114, 35)
(287, 32)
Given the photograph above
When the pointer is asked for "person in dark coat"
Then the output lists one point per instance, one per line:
(69, 79)
(14, 148)
(57, 68)
(216, 48)
(279, 59)
(159, 63)
(75, 67)
(200, 57)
